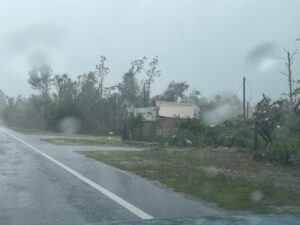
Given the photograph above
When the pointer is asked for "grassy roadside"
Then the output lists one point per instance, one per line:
(227, 177)
(83, 141)
(32, 131)
(53, 133)
(97, 141)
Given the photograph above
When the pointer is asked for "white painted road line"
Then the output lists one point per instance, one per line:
(138, 212)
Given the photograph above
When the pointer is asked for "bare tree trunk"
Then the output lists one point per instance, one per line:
(290, 58)
(290, 76)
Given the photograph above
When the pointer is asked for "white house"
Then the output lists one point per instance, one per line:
(164, 109)
(173, 109)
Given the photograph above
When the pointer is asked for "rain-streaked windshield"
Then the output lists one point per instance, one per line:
(149, 112)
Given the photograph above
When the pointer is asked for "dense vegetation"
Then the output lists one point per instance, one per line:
(85, 105)
(95, 108)
(240, 134)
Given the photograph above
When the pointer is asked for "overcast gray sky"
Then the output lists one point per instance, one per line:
(210, 44)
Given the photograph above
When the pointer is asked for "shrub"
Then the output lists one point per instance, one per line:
(286, 147)
(134, 128)
(237, 135)
(189, 133)
(193, 133)
(211, 135)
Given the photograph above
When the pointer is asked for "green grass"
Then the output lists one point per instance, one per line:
(229, 178)
(31, 131)
(64, 136)
(81, 139)
(85, 141)
(96, 141)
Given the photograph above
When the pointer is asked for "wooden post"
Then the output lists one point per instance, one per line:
(247, 110)
(255, 146)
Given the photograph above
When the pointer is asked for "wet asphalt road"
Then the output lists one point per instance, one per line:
(34, 190)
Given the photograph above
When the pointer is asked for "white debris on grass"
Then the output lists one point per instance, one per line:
(256, 196)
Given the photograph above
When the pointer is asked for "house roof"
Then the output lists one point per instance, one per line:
(167, 103)
(174, 109)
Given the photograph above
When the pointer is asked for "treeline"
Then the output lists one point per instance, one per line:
(86, 105)
(96, 108)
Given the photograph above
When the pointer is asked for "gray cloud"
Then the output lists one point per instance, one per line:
(209, 44)
(46, 35)
(263, 57)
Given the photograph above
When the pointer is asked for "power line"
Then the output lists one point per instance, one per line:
(237, 90)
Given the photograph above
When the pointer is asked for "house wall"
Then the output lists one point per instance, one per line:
(173, 109)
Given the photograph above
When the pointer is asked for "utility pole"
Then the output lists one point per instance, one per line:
(247, 110)
(244, 98)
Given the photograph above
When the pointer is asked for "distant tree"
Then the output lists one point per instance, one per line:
(175, 91)
(152, 73)
(40, 79)
(102, 72)
(3, 101)
(87, 106)
(8, 111)
(65, 95)
(137, 65)
(195, 98)
(129, 88)
(65, 87)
